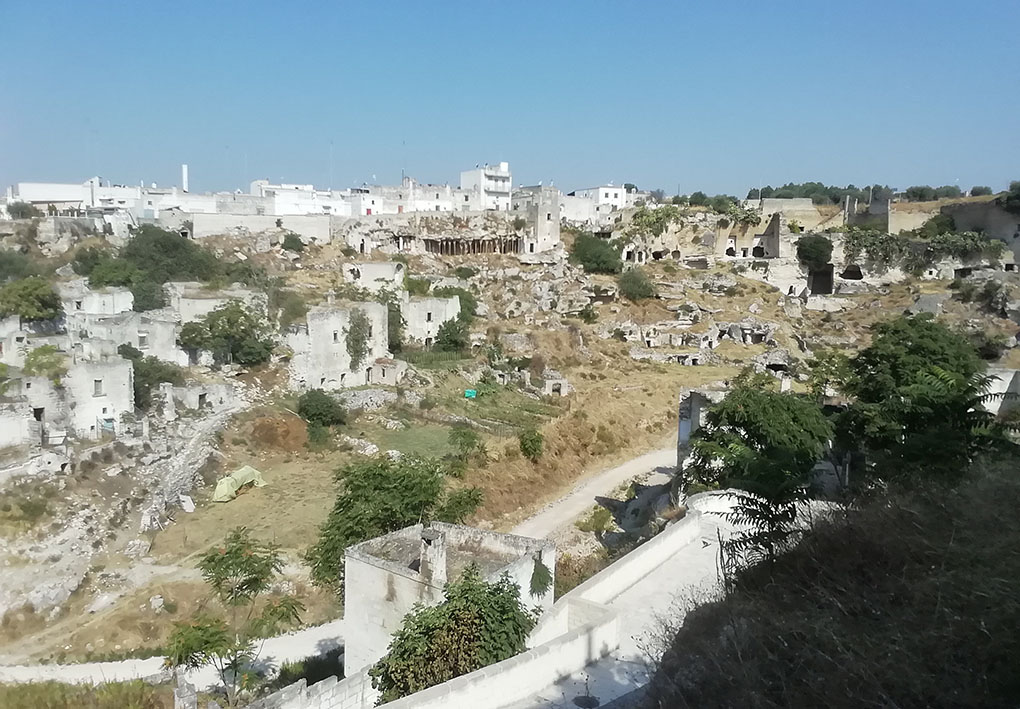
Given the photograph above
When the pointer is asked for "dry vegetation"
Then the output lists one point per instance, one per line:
(913, 604)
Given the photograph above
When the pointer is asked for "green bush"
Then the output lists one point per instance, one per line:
(232, 333)
(31, 298)
(595, 255)
(453, 336)
(479, 623)
(635, 285)
(149, 372)
(814, 251)
(531, 443)
(416, 286)
(292, 242)
(14, 265)
(465, 272)
(379, 495)
(318, 407)
(980, 191)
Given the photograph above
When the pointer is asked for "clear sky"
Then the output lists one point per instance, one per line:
(717, 96)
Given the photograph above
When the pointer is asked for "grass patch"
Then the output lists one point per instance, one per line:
(112, 695)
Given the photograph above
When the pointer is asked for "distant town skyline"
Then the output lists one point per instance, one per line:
(721, 98)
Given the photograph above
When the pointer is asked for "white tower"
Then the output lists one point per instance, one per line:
(184, 177)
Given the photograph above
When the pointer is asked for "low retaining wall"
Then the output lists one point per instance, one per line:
(627, 571)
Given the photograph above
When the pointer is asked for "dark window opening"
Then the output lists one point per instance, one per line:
(820, 281)
(852, 273)
(731, 251)
(962, 272)
(758, 252)
(38, 413)
(202, 399)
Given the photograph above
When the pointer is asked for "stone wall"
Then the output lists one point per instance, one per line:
(308, 227)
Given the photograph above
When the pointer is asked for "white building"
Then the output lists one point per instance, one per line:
(77, 297)
(604, 196)
(490, 186)
(541, 207)
(193, 301)
(101, 391)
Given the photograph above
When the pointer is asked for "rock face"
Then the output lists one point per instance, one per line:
(367, 399)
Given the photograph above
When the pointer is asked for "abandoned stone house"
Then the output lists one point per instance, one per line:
(376, 276)
(385, 577)
(77, 297)
(541, 209)
(88, 401)
(192, 301)
(321, 358)
(424, 315)
(153, 332)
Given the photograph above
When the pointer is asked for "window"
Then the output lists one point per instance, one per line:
(28, 385)
(77, 305)
(607, 195)
(336, 336)
(616, 195)
(143, 340)
(97, 387)
(548, 216)
(322, 380)
(428, 317)
(465, 198)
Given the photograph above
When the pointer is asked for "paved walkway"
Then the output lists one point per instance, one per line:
(646, 609)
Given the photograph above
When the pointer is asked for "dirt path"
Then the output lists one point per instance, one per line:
(575, 503)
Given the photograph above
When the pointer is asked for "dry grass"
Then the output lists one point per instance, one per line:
(908, 602)
(113, 695)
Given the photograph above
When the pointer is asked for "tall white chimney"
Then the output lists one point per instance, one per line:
(184, 177)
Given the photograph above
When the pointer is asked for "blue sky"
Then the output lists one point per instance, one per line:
(717, 96)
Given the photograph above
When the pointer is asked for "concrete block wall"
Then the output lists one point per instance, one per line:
(633, 567)
(355, 692)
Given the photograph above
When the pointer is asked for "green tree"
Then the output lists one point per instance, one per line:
(31, 298)
(635, 285)
(167, 256)
(531, 443)
(318, 407)
(23, 210)
(478, 624)
(980, 191)
(907, 426)
(595, 255)
(765, 444)
(232, 333)
(814, 251)
(453, 336)
(148, 295)
(148, 373)
(379, 495)
(240, 574)
(921, 193)
(698, 199)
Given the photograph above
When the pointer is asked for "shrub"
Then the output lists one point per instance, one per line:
(31, 298)
(292, 242)
(149, 372)
(519, 223)
(814, 251)
(531, 443)
(416, 286)
(14, 265)
(23, 210)
(479, 623)
(46, 361)
(595, 255)
(318, 407)
(232, 333)
(357, 334)
(980, 191)
(453, 336)
(465, 272)
(635, 285)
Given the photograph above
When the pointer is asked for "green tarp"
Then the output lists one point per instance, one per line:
(226, 488)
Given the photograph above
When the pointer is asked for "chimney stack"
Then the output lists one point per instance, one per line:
(184, 177)
(432, 566)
